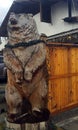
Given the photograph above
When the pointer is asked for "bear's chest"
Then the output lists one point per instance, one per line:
(24, 54)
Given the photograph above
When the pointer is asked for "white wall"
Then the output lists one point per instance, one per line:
(4, 8)
(58, 13)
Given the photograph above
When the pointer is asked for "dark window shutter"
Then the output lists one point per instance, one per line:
(45, 11)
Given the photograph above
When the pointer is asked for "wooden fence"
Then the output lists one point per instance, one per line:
(63, 76)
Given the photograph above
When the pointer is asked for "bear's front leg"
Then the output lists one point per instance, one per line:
(35, 61)
(13, 64)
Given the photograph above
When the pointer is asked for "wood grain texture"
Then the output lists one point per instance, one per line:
(63, 77)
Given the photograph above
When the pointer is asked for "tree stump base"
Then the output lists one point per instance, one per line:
(26, 126)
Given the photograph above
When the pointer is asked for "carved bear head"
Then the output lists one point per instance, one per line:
(21, 28)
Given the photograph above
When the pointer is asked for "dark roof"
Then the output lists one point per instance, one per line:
(29, 6)
(19, 7)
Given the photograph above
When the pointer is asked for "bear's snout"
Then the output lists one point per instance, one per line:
(13, 21)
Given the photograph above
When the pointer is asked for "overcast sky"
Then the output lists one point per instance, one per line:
(4, 7)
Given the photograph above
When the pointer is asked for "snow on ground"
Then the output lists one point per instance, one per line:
(3, 43)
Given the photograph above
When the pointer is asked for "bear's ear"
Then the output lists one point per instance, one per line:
(12, 14)
(30, 15)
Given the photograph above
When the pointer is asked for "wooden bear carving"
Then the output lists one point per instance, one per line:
(25, 58)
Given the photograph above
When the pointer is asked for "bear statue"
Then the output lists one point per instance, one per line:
(25, 57)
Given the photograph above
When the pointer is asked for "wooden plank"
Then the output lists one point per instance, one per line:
(52, 77)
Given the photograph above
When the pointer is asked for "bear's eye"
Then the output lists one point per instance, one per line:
(19, 15)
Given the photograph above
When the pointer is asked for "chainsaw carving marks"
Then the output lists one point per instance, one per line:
(26, 91)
